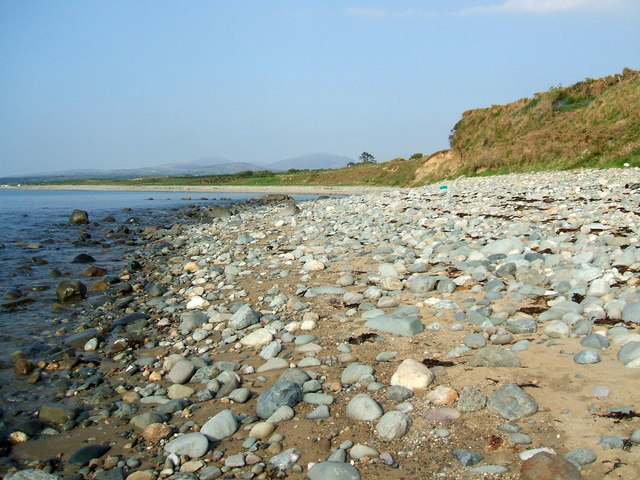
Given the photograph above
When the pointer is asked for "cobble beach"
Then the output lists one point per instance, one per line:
(478, 328)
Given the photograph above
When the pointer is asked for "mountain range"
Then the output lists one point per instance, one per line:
(202, 166)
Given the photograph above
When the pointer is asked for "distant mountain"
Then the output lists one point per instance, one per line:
(202, 166)
(311, 161)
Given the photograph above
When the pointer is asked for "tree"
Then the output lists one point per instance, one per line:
(366, 157)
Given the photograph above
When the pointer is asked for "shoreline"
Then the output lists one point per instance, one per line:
(299, 189)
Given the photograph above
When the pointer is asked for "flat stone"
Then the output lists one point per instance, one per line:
(220, 426)
(333, 471)
(631, 312)
(581, 456)
(85, 454)
(181, 372)
(57, 413)
(494, 356)
(512, 402)
(275, 363)
(36, 474)
(193, 445)
(404, 326)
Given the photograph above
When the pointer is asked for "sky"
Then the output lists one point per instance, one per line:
(128, 84)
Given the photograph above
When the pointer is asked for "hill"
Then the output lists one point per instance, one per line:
(589, 124)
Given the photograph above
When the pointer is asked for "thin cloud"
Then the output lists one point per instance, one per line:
(379, 13)
(548, 6)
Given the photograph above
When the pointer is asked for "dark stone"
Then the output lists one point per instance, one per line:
(83, 258)
(70, 290)
(283, 393)
(79, 217)
(85, 454)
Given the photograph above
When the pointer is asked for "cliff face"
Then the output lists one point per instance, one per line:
(592, 123)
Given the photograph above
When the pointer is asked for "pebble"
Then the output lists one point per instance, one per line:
(512, 402)
(193, 445)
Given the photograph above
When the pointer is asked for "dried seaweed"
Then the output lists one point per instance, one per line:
(528, 384)
(533, 310)
(434, 362)
(363, 337)
(628, 415)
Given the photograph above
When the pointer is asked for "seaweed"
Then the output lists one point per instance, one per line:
(434, 362)
(363, 337)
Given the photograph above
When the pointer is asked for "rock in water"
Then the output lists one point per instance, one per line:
(69, 290)
(512, 402)
(282, 393)
(79, 217)
(333, 471)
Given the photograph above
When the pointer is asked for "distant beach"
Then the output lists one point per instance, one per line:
(296, 189)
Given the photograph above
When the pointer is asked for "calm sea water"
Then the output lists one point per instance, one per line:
(39, 218)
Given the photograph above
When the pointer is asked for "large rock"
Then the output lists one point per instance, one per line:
(243, 318)
(363, 408)
(631, 312)
(629, 354)
(512, 402)
(87, 453)
(493, 356)
(57, 413)
(333, 471)
(282, 393)
(545, 466)
(79, 339)
(79, 217)
(181, 372)
(193, 445)
(401, 325)
(222, 425)
(412, 375)
(36, 474)
(71, 290)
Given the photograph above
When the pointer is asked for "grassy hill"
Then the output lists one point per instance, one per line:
(594, 123)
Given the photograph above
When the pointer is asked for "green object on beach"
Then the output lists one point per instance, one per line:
(443, 187)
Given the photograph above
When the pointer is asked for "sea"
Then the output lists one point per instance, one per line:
(37, 244)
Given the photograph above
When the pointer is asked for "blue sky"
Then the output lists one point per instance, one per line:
(123, 84)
